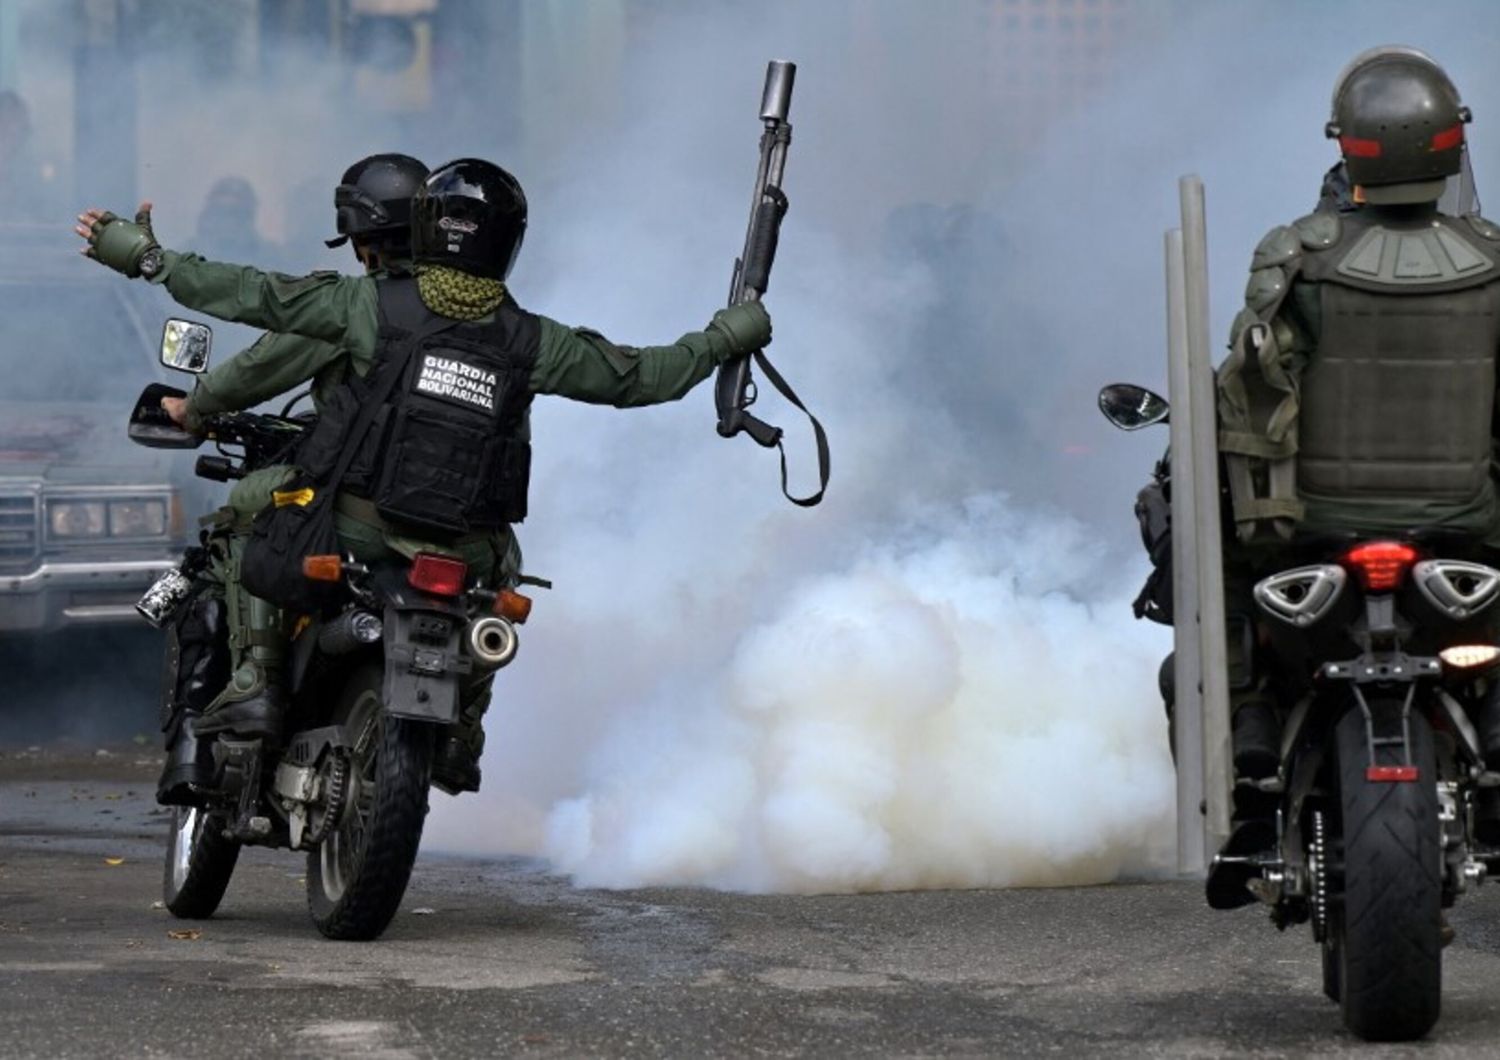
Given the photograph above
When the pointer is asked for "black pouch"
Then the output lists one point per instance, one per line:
(434, 468)
(299, 523)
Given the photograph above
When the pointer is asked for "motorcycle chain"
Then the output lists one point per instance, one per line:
(335, 793)
(1317, 871)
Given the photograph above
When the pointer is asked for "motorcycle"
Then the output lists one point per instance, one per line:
(1379, 655)
(373, 683)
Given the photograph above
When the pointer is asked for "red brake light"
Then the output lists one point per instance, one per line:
(1381, 564)
(438, 575)
(1391, 774)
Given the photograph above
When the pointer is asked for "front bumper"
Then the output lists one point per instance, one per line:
(65, 593)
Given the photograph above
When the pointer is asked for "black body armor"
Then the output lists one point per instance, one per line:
(1399, 399)
(450, 451)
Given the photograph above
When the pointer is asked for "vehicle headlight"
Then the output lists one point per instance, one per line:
(144, 518)
(76, 518)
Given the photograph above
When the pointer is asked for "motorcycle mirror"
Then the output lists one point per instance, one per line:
(185, 345)
(1131, 407)
(152, 427)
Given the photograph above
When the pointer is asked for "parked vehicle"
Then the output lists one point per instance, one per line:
(85, 524)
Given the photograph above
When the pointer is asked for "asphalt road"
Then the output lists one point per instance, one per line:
(498, 957)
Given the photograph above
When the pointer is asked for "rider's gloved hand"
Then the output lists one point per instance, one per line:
(747, 326)
(176, 408)
(128, 247)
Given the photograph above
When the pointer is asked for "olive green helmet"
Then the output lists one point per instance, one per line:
(1399, 124)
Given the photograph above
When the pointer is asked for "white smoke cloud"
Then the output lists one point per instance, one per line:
(943, 712)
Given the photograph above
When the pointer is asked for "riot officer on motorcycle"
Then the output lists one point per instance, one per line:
(372, 206)
(1359, 396)
(450, 472)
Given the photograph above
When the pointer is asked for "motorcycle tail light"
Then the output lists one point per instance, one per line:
(1392, 774)
(1469, 656)
(438, 575)
(322, 568)
(1380, 565)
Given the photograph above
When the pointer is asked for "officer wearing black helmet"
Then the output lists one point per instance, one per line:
(454, 460)
(372, 206)
(1359, 394)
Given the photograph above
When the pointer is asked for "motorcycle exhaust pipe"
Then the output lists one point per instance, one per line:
(492, 642)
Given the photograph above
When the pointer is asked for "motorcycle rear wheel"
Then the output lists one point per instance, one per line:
(1388, 943)
(199, 863)
(358, 875)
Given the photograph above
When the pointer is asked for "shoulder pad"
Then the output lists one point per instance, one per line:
(1280, 246)
(1266, 288)
(1413, 258)
(1483, 228)
(1318, 231)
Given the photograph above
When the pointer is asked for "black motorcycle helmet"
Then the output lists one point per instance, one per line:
(1400, 125)
(469, 214)
(373, 202)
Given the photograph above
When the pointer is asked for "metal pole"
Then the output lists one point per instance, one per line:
(1218, 775)
(1187, 713)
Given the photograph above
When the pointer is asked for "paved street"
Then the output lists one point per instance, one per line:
(498, 957)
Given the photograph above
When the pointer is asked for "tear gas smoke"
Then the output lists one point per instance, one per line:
(932, 680)
(910, 721)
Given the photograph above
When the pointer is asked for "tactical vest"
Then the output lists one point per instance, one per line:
(1395, 403)
(450, 453)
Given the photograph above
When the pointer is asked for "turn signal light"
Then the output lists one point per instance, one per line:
(1469, 656)
(512, 606)
(1381, 564)
(322, 568)
(438, 575)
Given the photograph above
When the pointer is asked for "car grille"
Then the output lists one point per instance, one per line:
(19, 533)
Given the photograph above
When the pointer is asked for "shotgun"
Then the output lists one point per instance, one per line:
(734, 390)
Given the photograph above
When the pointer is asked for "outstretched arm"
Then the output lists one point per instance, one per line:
(324, 305)
(274, 365)
(583, 365)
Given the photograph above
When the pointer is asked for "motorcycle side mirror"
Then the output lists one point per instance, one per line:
(152, 427)
(1131, 407)
(186, 346)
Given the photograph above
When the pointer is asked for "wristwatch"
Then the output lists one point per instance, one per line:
(151, 263)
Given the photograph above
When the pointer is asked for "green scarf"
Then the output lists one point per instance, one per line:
(460, 295)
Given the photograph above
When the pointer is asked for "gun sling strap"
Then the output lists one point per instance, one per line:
(819, 435)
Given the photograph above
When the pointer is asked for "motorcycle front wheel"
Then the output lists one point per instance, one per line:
(1387, 927)
(200, 861)
(358, 875)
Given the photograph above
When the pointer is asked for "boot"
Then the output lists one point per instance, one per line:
(1487, 816)
(190, 765)
(1257, 740)
(1487, 800)
(1252, 833)
(252, 707)
(455, 768)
